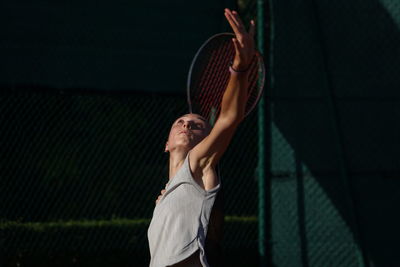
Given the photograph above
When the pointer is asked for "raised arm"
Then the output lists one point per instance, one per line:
(208, 152)
(235, 97)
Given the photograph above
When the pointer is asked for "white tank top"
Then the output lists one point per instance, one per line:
(180, 220)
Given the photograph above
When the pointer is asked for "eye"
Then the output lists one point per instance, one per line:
(198, 126)
(179, 121)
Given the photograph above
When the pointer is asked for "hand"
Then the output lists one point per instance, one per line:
(160, 196)
(244, 41)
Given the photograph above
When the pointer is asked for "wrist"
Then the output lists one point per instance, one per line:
(241, 67)
(235, 68)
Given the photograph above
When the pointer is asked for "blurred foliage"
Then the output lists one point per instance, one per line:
(119, 240)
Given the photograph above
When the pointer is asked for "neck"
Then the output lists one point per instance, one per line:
(176, 159)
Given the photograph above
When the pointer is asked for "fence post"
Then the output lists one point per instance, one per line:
(261, 147)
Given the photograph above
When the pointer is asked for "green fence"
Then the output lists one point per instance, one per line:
(81, 169)
(81, 172)
(334, 103)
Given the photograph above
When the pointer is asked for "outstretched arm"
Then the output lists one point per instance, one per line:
(208, 152)
(235, 97)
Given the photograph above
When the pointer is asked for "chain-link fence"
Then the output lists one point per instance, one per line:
(81, 172)
(334, 102)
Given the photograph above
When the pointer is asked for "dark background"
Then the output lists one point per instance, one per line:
(335, 97)
(89, 90)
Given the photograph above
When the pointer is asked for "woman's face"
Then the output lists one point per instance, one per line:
(187, 131)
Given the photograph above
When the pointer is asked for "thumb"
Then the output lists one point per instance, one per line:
(236, 45)
(252, 28)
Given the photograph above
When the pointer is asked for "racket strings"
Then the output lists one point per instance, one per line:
(207, 80)
(204, 82)
(209, 77)
(207, 102)
(252, 90)
(221, 79)
(256, 83)
(215, 78)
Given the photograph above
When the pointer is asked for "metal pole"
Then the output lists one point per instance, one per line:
(261, 147)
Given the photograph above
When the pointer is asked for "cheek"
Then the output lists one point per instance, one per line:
(170, 135)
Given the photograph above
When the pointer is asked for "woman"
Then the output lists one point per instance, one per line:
(178, 230)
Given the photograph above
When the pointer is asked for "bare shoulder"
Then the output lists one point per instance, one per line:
(206, 176)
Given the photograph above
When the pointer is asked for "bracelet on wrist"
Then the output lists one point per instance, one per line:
(232, 70)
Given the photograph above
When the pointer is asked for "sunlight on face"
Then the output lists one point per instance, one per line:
(188, 130)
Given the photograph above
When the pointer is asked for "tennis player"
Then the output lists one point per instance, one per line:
(179, 227)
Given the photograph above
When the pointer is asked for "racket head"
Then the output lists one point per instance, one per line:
(209, 76)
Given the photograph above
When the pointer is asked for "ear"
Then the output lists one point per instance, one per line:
(166, 147)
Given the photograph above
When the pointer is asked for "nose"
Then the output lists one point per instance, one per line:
(187, 125)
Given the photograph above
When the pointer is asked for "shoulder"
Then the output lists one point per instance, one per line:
(205, 176)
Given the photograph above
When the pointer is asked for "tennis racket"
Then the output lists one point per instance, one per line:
(209, 76)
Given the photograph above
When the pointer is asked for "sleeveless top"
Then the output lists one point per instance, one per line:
(180, 220)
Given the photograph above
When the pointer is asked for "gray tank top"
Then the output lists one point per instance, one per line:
(180, 220)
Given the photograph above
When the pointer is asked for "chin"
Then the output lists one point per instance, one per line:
(186, 146)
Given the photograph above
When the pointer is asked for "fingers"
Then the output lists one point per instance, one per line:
(237, 24)
(231, 21)
(252, 28)
(160, 196)
(237, 19)
(232, 17)
(158, 199)
(237, 46)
